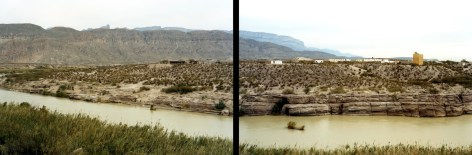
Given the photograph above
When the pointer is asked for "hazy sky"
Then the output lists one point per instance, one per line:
(370, 28)
(82, 14)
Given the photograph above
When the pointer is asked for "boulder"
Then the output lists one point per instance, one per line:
(384, 98)
(299, 99)
(394, 109)
(467, 108)
(336, 108)
(378, 108)
(466, 98)
(261, 98)
(406, 98)
(454, 109)
(356, 108)
(257, 108)
(410, 109)
(430, 109)
(225, 112)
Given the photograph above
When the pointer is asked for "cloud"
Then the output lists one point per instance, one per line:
(367, 27)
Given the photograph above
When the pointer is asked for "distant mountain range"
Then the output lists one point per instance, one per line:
(252, 49)
(153, 28)
(29, 43)
(288, 41)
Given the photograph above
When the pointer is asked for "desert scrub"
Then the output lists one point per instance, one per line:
(180, 88)
(220, 105)
(338, 90)
(27, 130)
(463, 80)
(288, 91)
(247, 149)
(395, 89)
(144, 88)
(306, 90)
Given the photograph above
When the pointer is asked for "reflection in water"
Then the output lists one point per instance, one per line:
(336, 130)
(187, 122)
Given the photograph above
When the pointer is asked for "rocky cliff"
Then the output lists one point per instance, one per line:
(28, 43)
(287, 41)
(413, 105)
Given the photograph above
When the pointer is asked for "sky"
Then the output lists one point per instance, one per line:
(83, 14)
(438, 29)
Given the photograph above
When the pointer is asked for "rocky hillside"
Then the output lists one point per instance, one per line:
(28, 43)
(252, 49)
(344, 78)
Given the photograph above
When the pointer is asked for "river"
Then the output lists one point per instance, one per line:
(190, 123)
(336, 130)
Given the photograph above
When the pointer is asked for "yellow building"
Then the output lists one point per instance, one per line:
(418, 58)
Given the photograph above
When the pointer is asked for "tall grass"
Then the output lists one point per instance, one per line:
(29, 130)
(403, 149)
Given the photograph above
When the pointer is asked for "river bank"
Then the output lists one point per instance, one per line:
(152, 85)
(413, 105)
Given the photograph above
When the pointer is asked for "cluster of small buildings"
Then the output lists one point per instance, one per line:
(417, 59)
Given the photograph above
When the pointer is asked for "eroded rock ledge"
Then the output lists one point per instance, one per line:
(413, 105)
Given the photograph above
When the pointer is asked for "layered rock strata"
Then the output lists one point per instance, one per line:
(413, 105)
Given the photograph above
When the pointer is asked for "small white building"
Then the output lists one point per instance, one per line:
(276, 62)
(318, 61)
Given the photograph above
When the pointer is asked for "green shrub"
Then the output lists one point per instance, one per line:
(306, 90)
(433, 91)
(338, 90)
(181, 89)
(144, 88)
(288, 91)
(422, 83)
(220, 87)
(395, 89)
(464, 80)
(25, 104)
(259, 90)
(241, 111)
(66, 87)
(324, 88)
(61, 94)
(220, 105)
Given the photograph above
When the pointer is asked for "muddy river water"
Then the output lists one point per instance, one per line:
(336, 130)
(190, 123)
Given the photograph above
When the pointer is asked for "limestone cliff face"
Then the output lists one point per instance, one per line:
(413, 105)
(252, 49)
(286, 41)
(27, 43)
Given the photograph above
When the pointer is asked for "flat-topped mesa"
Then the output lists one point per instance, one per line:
(413, 105)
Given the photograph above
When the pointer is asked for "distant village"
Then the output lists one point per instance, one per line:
(417, 59)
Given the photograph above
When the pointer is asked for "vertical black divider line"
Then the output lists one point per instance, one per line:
(235, 77)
